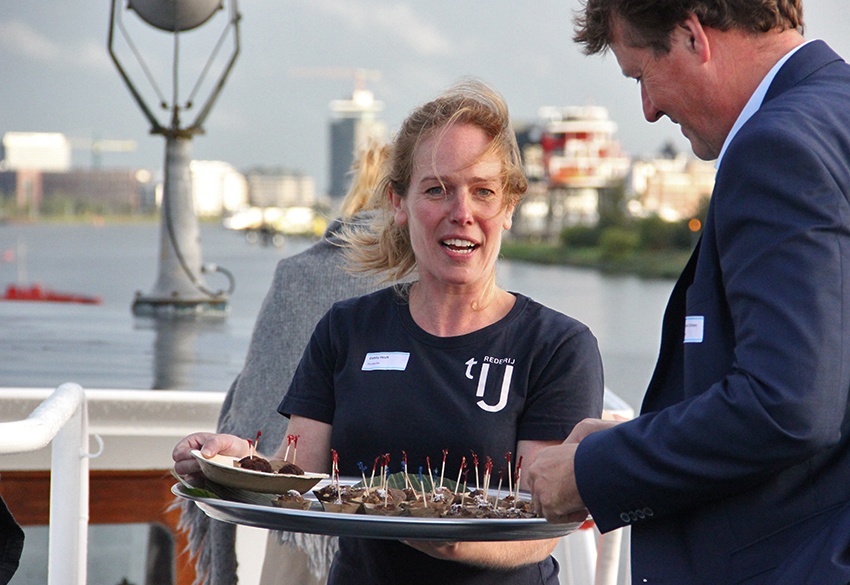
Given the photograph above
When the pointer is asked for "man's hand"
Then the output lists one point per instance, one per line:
(552, 480)
(553, 486)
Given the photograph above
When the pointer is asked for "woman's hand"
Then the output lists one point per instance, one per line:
(210, 445)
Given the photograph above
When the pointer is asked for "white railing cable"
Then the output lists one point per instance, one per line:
(63, 420)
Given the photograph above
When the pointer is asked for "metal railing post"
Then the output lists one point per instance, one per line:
(69, 499)
(61, 419)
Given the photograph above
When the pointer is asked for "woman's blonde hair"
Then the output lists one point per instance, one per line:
(383, 248)
(366, 171)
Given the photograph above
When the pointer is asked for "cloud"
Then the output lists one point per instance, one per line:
(18, 38)
(397, 21)
(21, 39)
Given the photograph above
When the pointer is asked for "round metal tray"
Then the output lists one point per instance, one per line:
(259, 512)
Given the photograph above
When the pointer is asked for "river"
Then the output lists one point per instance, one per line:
(104, 346)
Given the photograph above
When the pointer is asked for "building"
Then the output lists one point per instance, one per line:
(278, 187)
(35, 151)
(354, 123)
(580, 149)
(280, 203)
(78, 191)
(672, 188)
(217, 188)
(572, 158)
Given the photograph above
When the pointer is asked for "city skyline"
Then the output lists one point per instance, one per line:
(299, 55)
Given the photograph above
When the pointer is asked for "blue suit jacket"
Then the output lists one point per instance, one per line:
(738, 470)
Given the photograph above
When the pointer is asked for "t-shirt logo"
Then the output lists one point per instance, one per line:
(482, 381)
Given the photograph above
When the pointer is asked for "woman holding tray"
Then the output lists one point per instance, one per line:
(448, 362)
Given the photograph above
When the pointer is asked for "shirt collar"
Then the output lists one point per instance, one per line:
(755, 101)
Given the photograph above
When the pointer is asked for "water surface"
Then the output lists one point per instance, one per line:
(104, 346)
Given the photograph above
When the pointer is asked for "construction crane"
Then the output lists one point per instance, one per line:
(98, 146)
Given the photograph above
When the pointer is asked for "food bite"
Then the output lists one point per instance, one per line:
(291, 499)
(255, 462)
(426, 496)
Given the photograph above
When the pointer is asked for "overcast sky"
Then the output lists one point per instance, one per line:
(298, 55)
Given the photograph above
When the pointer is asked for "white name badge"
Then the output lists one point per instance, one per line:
(388, 360)
(694, 327)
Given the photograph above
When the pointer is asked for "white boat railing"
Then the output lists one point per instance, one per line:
(133, 430)
(61, 421)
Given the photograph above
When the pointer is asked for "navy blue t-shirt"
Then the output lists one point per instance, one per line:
(387, 386)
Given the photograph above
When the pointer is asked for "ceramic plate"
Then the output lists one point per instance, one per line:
(220, 469)
(259, 512)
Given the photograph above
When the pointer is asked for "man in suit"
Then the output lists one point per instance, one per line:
(738, 468)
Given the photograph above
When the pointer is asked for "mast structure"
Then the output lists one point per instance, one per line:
(180, 287)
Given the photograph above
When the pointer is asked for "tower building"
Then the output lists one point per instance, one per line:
(354, 122)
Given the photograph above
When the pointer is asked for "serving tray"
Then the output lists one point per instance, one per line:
(257, 510)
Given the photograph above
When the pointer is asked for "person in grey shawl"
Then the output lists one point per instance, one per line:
(304, 288)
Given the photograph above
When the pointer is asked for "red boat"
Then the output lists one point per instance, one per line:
(36, 293)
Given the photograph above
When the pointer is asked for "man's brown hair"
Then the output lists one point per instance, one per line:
(648, 23)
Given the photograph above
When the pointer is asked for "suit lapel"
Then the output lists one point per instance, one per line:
(669, 369)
